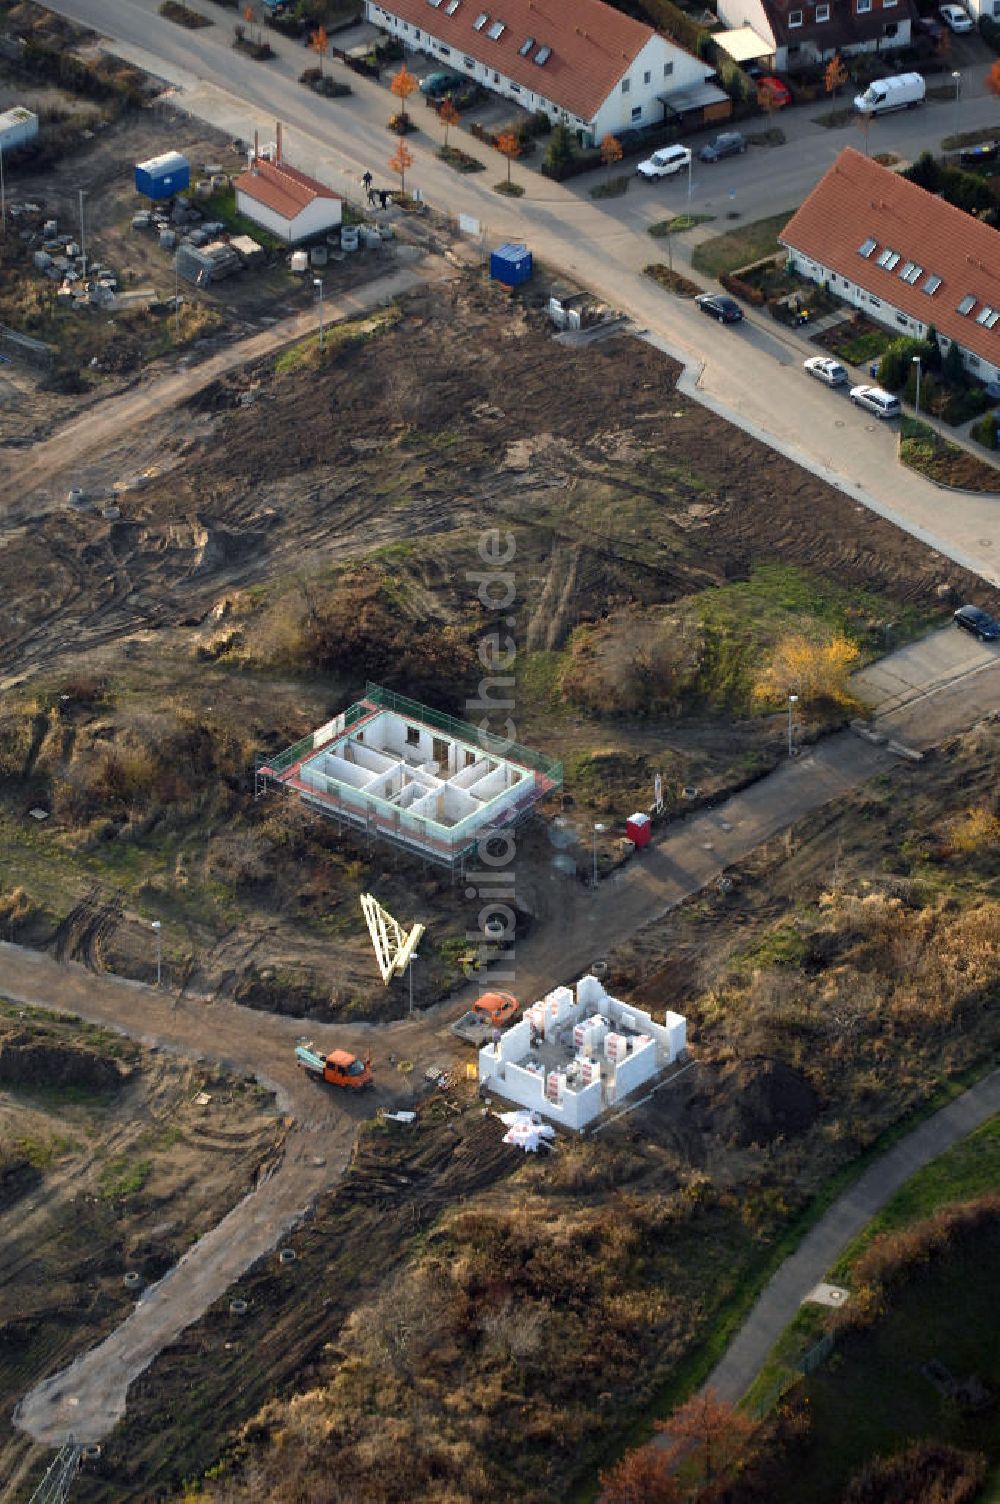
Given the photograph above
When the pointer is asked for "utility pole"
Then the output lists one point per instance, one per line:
(177, 302)
(3, 197)
(83, 243)
(157, 929)
(792, 702)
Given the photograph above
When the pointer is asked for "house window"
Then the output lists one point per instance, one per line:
(822, 13)
(902, 319)
(972, 360)
(637, 113)
(416, 32)
(795, 18)
(647, 78)
(626, 85)
(668, 68)
(863, 6)
(413, 736)
(890, 29)
(515, 88)
(875, 302)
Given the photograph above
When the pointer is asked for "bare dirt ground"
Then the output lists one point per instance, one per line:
(113, 1161)
(182, 631)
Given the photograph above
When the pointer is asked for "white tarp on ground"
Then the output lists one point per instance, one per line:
(525, 1130)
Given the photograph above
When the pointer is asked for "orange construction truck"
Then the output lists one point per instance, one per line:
(339, 1068)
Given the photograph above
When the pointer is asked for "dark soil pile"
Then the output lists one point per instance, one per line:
(762, 1100)
(26, 1062)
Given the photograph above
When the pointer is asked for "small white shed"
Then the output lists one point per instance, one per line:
(286, 202)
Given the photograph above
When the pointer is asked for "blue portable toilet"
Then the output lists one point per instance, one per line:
(161, 177)
(511, 265)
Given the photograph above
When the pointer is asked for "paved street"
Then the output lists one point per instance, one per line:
(751, 375)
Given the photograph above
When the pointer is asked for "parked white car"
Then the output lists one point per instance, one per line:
(874, 400)
(665, 162)
(825, 369)
(955, 18)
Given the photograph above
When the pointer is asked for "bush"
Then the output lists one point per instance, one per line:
(559, 151)
(985, 431)
(740, 289)
(927, 1472)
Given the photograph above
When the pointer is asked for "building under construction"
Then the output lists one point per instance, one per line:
(407, 774)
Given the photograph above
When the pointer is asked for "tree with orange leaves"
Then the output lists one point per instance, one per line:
(835, 75)
(319, 42)
(403, 85)
(449, 116)
(508, 145)
(993, 78)
(643, 1476)
(611, 152)
(400, 161)
(708, 1439)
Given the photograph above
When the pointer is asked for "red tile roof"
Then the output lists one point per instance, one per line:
(592, 44)
(858, 201)
(281, 188)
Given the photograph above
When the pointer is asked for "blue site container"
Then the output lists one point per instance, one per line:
(163, 176)
(511, 265)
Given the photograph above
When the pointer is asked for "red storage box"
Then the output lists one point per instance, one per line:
(639, 830)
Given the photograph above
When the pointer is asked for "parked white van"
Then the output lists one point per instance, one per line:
(901, 92)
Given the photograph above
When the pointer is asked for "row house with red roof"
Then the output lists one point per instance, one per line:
(583, 64)
(799, 32)
(904, 257)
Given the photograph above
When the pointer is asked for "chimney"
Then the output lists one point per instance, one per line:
(277, 142)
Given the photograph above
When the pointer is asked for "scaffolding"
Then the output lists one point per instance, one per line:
(377, 768)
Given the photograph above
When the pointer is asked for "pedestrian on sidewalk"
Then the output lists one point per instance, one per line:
(367, 180)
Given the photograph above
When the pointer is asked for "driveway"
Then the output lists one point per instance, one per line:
(750, 376)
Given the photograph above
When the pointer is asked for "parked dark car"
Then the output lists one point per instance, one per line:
(437, 85)
(718, 306)
(986, 151)
(980, 623)
(729, 144)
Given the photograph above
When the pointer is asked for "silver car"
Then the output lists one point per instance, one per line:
(874, 400)
(826, 369)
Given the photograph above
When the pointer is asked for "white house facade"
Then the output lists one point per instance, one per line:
(281, 199)
(585, 66)
(903, 257)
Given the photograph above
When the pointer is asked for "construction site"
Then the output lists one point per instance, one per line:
(404, 773)
(331, 955)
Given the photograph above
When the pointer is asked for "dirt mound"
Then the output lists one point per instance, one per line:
(26, 1062)
(762, 1100)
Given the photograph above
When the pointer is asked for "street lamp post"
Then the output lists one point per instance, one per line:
(598, 830)
(690, 160)
(318, 284)
(792, 702)
(956, 79)
(157, 929)
(916, 362)
(83, 242)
